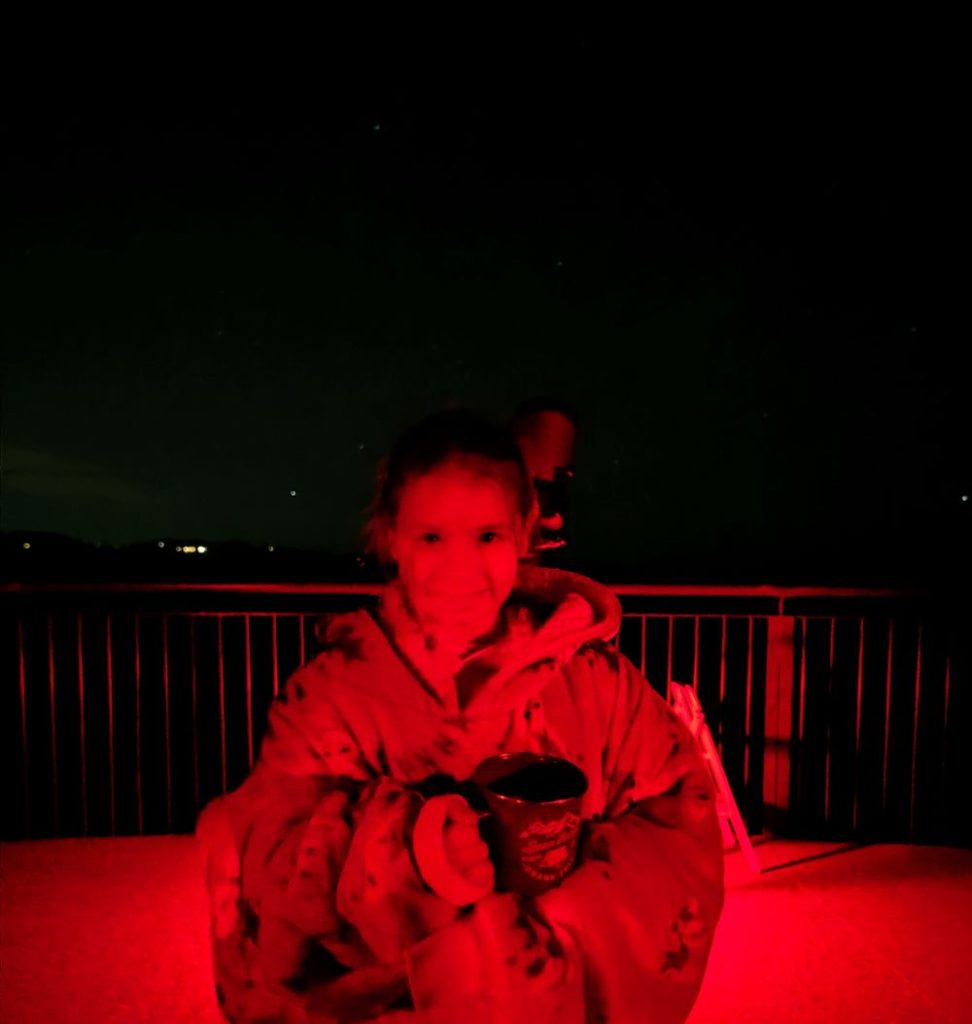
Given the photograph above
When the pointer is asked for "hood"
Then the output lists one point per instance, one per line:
(550, 614)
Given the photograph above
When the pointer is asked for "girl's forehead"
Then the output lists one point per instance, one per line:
(464, 490)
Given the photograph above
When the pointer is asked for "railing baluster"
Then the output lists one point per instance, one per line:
(671, 644)
(722, 682)
(22, 673)
(276, 669)
(914, 739)
(249, 692)
(887, 720)
(695, 655)
(829, 706)
(857, 724)
(195, 713)
(84, 747)
(168, 730)
(53, 702)
(111, 719)
(749, 695)
(948, 687)
(222, 701)
(138, 728)
(801, 706)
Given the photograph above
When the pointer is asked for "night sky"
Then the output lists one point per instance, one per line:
(214, 298)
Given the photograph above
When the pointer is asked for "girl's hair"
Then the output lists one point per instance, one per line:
(428, 444)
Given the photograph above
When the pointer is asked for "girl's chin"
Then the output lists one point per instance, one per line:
(460, 622)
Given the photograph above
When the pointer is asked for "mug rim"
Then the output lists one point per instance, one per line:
(529, 757)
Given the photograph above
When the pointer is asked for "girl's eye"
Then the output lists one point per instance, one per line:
(489, 536)
(430, 538)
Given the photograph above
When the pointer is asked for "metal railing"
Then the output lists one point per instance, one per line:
(836, 712)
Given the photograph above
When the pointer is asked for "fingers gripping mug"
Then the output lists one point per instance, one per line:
(533, 821)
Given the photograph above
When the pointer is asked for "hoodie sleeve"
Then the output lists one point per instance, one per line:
(644, 900)
(327, 896)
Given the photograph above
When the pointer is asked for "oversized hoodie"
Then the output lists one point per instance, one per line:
(319, 911)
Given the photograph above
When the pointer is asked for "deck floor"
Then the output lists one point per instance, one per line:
(116, 930)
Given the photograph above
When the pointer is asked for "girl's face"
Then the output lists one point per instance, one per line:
(457, 539)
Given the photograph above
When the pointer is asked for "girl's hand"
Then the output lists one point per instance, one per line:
(450, 854)
(464, 846)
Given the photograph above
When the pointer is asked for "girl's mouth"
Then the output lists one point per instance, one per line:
(460, 595)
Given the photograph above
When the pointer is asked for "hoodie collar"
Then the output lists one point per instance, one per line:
(549, 616)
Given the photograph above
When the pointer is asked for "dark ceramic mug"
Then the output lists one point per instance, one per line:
(533, 821)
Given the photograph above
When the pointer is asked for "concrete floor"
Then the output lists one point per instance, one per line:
(843, 933)
(107, 930)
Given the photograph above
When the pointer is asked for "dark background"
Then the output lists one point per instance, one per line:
(744, 277)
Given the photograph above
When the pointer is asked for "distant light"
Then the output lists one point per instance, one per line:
(202, 549)
(965, 497)
(178, 547)
(189, 549)
(26, 545)
(269, 547)
(161, 543)
(293, 494)
(377, 127)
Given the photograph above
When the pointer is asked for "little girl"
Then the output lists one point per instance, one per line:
(321, 908)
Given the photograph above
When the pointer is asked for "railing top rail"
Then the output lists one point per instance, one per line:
(373, 589)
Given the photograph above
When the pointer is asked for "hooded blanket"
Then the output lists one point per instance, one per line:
(318, 909)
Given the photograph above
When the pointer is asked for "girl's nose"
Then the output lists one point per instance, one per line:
(466, 582)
